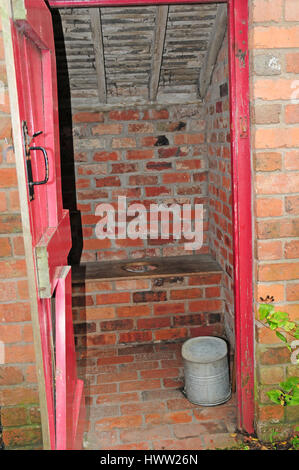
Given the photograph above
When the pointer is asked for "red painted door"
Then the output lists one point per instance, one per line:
(49, 223)
(69, 390)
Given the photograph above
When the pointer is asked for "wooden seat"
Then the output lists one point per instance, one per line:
(163, 267)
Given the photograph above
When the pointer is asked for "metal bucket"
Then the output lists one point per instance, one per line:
(206, 371)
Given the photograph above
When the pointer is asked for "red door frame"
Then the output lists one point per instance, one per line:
(241, 189)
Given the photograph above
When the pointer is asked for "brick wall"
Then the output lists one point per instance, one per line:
(129, 335)
(110, 313)
(220, 197)
(19, 410)
(274, 43)
(151, 156)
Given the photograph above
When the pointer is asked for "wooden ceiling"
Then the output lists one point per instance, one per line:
(137, 54)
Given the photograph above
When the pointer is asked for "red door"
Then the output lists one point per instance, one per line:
(35, 67)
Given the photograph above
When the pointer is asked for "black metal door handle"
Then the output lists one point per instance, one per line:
(46, 178)
(27, 148)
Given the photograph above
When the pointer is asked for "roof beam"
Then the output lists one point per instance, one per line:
(217, 36)
(160, 30)
(97, 37)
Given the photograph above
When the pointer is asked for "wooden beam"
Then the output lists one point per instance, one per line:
(217, 36)
(121, 3)
(160, 30)
(97, 37)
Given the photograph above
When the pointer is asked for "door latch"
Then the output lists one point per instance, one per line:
(27, 139)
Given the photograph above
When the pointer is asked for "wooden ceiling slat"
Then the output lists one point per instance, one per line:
(214, 46)
(160, 31)
(96, 31)
(124, 38)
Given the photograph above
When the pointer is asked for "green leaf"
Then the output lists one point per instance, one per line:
(281, 336)
(294, 401)
(280, 316)
(265, 310)
(295, 442)
(275, 396)
(288, 400)
(289, 326)
(296, 333)
(290, 383)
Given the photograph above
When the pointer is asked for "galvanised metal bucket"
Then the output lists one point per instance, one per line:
(206, 371)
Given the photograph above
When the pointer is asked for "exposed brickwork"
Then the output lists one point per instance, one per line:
(151, 156)
(19, 402)
(220, 196)
(275, 141)
(146, 310)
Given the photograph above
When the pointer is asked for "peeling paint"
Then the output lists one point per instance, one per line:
(242, 57)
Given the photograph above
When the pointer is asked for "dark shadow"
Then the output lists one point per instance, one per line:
(68, 179)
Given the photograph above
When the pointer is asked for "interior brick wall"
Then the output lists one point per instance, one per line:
(140, 311)
(219, 176)
(274, 44)
(151, 156)
(19, 401)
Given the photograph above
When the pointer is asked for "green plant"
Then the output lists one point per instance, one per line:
(272, 439)
(288, 393)
(295, 439)
(295, 442)
(277, 320)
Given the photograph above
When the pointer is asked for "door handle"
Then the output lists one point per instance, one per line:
(46, 178)
(27, 148)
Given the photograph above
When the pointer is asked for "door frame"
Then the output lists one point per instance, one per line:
(241, 188)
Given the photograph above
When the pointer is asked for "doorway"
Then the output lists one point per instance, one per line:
(92, 124)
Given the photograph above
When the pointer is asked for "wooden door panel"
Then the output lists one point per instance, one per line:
(70, 408)
(46, 333)
(31, 97)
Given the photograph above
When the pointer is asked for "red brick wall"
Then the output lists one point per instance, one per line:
(274, 42)
(19, 409)
(129, 335)
(109, 313)
(116, 154)
(220, 196)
